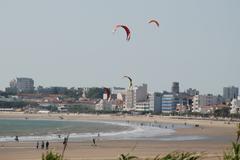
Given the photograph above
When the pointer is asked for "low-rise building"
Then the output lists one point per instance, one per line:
(142, 107)
(169, 102)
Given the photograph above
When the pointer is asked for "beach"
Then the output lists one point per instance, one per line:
(218, 136)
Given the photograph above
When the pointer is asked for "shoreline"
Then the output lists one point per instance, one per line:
(221, 136)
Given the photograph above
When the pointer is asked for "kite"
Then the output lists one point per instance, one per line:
(127, 30)
(154, 21)
(130, 81)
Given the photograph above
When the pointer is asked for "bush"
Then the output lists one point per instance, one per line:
(51, 156)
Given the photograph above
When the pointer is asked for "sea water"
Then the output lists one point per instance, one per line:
(80, 130)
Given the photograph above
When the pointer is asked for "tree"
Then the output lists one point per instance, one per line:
(95, 93)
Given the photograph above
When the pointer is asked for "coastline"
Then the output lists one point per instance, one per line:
(221, 134)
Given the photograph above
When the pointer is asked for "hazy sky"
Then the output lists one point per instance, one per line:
(70, 43)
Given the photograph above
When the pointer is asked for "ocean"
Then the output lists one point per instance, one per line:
(80, 130)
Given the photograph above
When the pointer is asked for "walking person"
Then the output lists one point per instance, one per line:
(65, 141)
(37, 145)
(42, 146)
(94, 142)
(16, 139)
(47, 144)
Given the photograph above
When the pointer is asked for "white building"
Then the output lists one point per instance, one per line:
(235, 105)
(104, 105)
(142, 107)
(134, 96)
(204, 103)
(129, 100)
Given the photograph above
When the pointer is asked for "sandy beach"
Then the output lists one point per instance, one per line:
(219, 136)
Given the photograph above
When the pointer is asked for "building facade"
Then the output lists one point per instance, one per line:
(204, 103)
(25, 85)
(129, 100)
(142, 107)
(192, 92)
(229, 93)
(235, 105)
(175, 87)
(169, 103)
(140, 93)
(155, 102)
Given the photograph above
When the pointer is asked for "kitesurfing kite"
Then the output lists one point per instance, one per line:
(127, 30)
(108, 92)
(130, 81)
(154, 21)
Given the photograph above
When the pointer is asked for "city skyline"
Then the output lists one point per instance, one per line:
(175, 88)
(59, 43)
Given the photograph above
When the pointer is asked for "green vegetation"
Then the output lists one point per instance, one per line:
(224, 112)
(127, 157)
(181, 156)
(73, 93)
(170, 156)
(51, 156)
(238, 132)
(81, 108)
(233, 153)
(94, 93)
(16, 104)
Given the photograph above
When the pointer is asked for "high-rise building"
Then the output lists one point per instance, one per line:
(13, 83)
(25, 85)
(229, 93)
(129, 103)
(136, 95)
(175, 87)
(192, 92)
(140, 93)
(13, 87)
(155, 102)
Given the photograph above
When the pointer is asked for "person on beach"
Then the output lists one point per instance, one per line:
(16, 139)
(94, 142)
(37, 145)
(47, 144)
(42, 146)
(65, 141)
